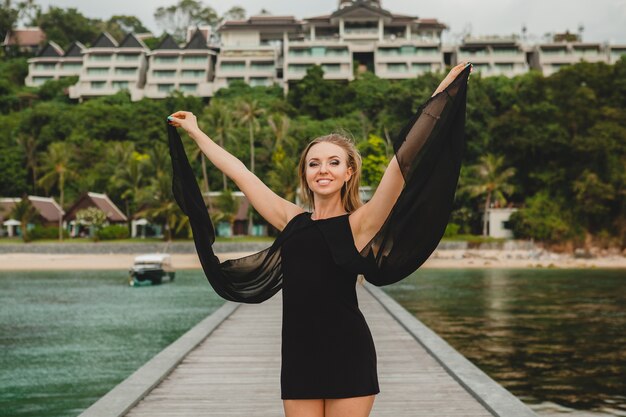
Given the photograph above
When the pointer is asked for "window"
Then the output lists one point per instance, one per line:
(262, 66)
(165, 88)
(194, 59)
(407, 50)
(504, 66)
(233, 66)
(554, 51)
(397, 67)
(505, 51)
(259, 81)
(128, 57)
(166, 59)
(426, 51)
(299, 52)
(188, 88)
(318, 51)
(336, 52)
(389, 51)
(72, 66)
(299, 68)
(331, 67)
(421, 68)
(45, 66)
(231, 80)
(100, 57)
(97, 71)
(120, 85)
(192, 73)
(98, 85)
(164, 73)
(125, 71)
(41, 80)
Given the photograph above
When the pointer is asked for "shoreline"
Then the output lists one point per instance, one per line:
(441, 259)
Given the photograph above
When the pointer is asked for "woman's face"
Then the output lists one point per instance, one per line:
(327, 168)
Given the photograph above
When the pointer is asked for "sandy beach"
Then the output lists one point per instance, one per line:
(439, 259)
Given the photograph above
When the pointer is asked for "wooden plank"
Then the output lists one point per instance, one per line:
(236, 371)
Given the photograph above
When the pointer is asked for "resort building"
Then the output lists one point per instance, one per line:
(494, 55)
(27, 39)
(263, 50)
(253, 50)
(52, 63)
(188, 69)
(49, 213)
(498, 222)
(109, 68)
(96, 200)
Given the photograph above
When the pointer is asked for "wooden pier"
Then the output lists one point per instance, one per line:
(229, 365)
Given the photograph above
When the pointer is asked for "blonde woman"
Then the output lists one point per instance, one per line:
(328, 361)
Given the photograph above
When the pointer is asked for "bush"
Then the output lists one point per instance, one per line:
(452, 229)
(45, 232)
(113, 232)
(543, 219)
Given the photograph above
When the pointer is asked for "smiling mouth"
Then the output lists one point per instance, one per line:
(324, 181)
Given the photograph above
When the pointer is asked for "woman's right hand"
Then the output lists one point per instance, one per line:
(185, 119)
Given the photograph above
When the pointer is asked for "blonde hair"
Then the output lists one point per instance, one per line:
(350, 197)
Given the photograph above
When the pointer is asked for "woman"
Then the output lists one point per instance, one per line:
(328, 363)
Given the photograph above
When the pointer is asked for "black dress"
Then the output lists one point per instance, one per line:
(327, 347)
(328, 350)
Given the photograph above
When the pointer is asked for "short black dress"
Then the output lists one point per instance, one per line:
(327, 347)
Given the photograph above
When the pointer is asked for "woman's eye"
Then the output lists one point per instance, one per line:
(312, 164)
(335, 162)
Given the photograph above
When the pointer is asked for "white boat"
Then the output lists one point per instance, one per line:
(151, 269)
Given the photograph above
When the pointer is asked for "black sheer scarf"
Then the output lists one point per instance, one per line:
(429, 152)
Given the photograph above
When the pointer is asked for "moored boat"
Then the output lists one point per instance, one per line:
(151, 269)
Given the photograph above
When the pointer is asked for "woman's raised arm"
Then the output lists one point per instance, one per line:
(273, 208)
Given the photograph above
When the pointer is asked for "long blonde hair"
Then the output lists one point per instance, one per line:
(350, 197)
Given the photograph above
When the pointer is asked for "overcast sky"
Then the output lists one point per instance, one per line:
(603, 20)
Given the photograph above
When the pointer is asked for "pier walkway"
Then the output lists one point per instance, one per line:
(229, 365)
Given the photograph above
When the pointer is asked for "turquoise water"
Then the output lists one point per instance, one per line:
(554, 338)
(67, 338)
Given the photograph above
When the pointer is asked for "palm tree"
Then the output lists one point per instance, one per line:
(279, 123)
(28, 143)
(25, 213)
(217, 120)
(281, 177)
(58, 168)
(248, 112)
(489, 178)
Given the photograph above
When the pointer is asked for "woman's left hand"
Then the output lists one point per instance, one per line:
(454, 72)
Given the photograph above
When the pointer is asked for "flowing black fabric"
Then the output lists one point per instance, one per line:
(429, 152)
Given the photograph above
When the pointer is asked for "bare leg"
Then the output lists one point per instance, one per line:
(349, 407)
(304, 408)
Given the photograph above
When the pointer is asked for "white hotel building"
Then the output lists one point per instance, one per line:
(265, 50)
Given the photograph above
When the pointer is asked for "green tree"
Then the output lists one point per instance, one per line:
(374, 160)
(217, 121)
(25, 213)
(234, 13)
(65, 26)
(92, 217)
(317, 97)
(120, 25)
(489, 178)
(58, 167)
(28, 145)
(543, 218)
(175, 19)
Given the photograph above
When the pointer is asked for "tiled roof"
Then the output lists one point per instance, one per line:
(100, 201)
(131, 41)
(197, 41)
(32, 36)
(47, 208)
(168, 43)
(105, 40)
(51, 50)
(75, 50)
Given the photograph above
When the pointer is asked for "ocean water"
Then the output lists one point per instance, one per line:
(556, 338)
(67, 338)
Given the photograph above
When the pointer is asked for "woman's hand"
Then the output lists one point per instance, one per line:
(184, 119)
(454, 72)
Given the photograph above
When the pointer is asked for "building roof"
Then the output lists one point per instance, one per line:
(31, 36)
(431, 23)
(47, 208)
(105, 40)
(75, 50)
(100, 201)
(197, 41)
(51, 50)
(261, 22)
(361, 8)
(168, 42)
(131, 41)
